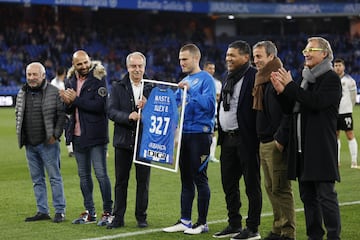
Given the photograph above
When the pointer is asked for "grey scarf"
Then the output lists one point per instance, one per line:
(309, 76)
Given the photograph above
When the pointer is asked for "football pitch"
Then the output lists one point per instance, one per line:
(17, 198)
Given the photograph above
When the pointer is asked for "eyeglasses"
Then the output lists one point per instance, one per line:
(310, 50)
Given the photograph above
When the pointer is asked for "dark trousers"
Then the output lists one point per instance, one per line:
(321, 206)
(123, 163)
(237, 160)
(194, 153)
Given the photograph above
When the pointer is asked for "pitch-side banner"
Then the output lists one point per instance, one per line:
(158, 142)
(211, 7)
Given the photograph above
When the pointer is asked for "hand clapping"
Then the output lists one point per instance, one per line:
(68, 95)
(280, 79)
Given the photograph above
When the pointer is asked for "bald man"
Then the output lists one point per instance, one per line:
(40, 118)
(85, 97)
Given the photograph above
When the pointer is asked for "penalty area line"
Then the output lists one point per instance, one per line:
(130, 234)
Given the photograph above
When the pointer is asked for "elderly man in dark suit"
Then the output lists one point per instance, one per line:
(313, 143)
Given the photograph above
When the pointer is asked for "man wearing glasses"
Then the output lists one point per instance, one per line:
(313, 143)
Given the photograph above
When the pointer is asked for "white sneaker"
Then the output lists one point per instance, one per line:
(354, 165)
(197, 228)
(106, 219)
(214, 160)
(177, 227)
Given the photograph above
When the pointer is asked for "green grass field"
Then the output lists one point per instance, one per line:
(17, 199)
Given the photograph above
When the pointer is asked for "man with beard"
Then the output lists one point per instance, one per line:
(85, 97)
(273, 132)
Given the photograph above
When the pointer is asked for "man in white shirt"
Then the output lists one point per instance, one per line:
(59, 82)
(124, 103)
(210, 68)
(345, 119)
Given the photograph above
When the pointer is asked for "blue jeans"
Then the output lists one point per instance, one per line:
(41, 157)
(96, 156)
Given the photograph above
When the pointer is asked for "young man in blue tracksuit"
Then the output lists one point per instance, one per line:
(196, 140)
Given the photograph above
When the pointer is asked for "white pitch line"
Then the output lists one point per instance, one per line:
(130, 234)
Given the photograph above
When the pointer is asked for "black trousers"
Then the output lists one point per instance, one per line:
(238, 160)
(123, 163)
(321, 206)
(195, 148)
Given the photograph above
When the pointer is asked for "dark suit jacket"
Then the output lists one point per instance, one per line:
(319, 110)
(121, 103)
(246, 115)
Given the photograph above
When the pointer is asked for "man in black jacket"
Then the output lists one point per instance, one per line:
(273, 132)
(313, 143)
(85, 97)
(123, 110)
(239, 144)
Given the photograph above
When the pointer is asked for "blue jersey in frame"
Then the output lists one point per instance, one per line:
(160, 120)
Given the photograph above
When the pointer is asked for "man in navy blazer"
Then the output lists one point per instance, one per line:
(239, 144)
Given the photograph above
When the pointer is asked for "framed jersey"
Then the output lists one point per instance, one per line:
(159, 141)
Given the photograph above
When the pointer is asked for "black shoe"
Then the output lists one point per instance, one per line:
(227, 232)
(286, 238)
(273, 236)
(59, 217)
(116, 223)
(38, 217)
(247, 234)
(142, 224)
(71, 154)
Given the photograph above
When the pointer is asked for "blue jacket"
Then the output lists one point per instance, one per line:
(91, 105)
(200, 109)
